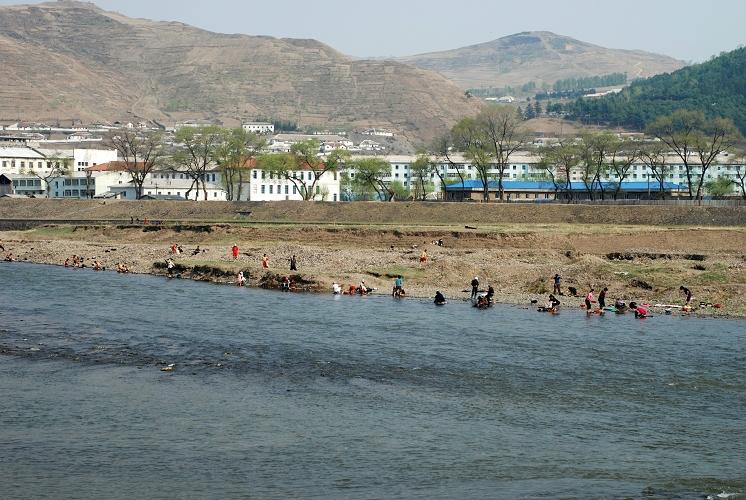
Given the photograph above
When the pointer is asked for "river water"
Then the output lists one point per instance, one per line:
(305, 396)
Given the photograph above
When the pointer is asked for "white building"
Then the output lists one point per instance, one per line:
(259, 127)
(113, 178)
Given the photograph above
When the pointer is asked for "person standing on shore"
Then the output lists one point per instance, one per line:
(240, 279)
(474, 287)
(265, 261)
(398, 284)
(234, 251)
(293, 263)
(557, 280)
(170, 266)
(687, 294)
(589, 300)
(602, 298)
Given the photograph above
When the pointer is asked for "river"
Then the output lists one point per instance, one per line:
(306, 396)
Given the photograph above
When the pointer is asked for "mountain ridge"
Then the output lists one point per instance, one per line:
(110, 65)
(539, 56)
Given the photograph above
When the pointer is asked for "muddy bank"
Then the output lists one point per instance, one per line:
(644, 264)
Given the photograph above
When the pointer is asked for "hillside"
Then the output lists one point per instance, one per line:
(71, 59)
(538, 56)
(716, 87)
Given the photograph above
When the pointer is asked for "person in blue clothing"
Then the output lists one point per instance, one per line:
(557, 281)
(398, 284)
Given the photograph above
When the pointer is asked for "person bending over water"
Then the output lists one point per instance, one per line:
(439, 298)
(640, 310)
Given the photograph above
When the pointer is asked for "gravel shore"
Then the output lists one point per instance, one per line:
(636, 263)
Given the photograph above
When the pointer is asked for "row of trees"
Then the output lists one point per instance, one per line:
(487, 141)
(235, 152)
(688, 138)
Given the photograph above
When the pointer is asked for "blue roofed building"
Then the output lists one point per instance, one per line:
(472, 189)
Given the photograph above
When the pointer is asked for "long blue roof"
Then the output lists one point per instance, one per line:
(476, 185)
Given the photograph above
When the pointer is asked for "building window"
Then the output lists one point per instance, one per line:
(271, 187)
(295, 189)
(253, 174)
(262, 188)
(287, 188)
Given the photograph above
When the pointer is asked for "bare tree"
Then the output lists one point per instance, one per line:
(197, 147)
(56, 167)
(594, 153)
(696, 140)
(562, 159)
(140, 153)
(442, 148)
(621, 156)
(740, 179)
(505, 135)
(655, 157)
(716, 137)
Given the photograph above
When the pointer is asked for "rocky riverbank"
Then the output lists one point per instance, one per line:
(645, 264)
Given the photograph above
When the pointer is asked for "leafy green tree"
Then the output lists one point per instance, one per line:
(419, 174)
(372, 173)
(398, 191)
(721, 186)
(237, 152)
(715, 88)
(537, 108)
(469, 137)
(303, 167)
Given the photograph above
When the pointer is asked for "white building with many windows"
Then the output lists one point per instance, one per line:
(259, 127)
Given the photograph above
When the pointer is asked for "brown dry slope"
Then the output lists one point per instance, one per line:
(70, 59)
(538, 56)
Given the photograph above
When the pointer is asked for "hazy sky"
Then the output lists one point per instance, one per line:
(686, 29)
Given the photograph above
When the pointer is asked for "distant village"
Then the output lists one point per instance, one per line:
(79, 162)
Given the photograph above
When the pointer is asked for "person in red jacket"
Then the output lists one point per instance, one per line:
(235, 251)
